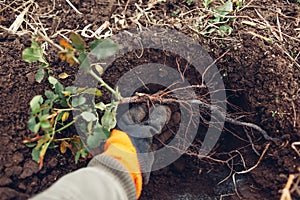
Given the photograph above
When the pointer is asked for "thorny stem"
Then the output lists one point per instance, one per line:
(110, 89)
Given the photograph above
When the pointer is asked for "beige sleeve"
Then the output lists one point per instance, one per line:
(103, 179)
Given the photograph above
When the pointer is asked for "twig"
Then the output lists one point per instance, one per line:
(286, 195)
(214, 62)
(47, 39)
(72, 6)
(269, 40)
(19, 20)
(279, 28)
(293, 145)
(268, 25)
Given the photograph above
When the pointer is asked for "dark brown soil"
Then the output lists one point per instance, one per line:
(263, 84)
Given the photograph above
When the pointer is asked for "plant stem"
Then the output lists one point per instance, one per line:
(62, 139)
(47, 39)
(110, 89)
(65, 109)
(66, 126)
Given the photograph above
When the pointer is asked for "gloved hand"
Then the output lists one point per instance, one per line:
(133, 150)
(120, 147)
(141, 132)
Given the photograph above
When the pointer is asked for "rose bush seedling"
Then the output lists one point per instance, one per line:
(51, 113)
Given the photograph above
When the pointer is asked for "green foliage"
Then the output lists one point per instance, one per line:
(34, 53)
(94, 140)
(77, 42)
(189, 2)
(109, 118)
(104, 48)
(206, 3)
(218, 21)
(175, 12)
(50, 113)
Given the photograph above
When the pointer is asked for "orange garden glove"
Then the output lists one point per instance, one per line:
(128, 147)
(120, 147)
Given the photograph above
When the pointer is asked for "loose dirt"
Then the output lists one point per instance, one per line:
(262, 79)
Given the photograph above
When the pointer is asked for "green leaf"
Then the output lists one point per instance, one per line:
(63, 103)
(207, 3)
(81, 57)
(44, 117)
(95, 43)
(59, 116)
(32, 125)
(81, 100)
(56, 84)
(47, 110)
(239, 3)
(101, 106)
(77, 42)
(88, 116)
(32, 55)
(226, 9)
(93, 91)
(90, 127)
(77, 156)
(45, 125)
(53, 81)
(78, 101)
(85, 63)
(83, 127)
(30, 145)
(75, 102)
(50, 95)
(175, 12)
(35, 154)
(71, 89)
(104, 48)
(35, 104)
(189, 2)
(107, 133)
(97, 137)
(59, 88)
(225, 30)
(83, 153)
(39, 76)
(108, 120)
(36, 128)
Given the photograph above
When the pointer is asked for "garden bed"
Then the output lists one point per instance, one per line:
(259, 62)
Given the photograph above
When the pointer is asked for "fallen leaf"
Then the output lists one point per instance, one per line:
(65, 44)
(63, 75)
